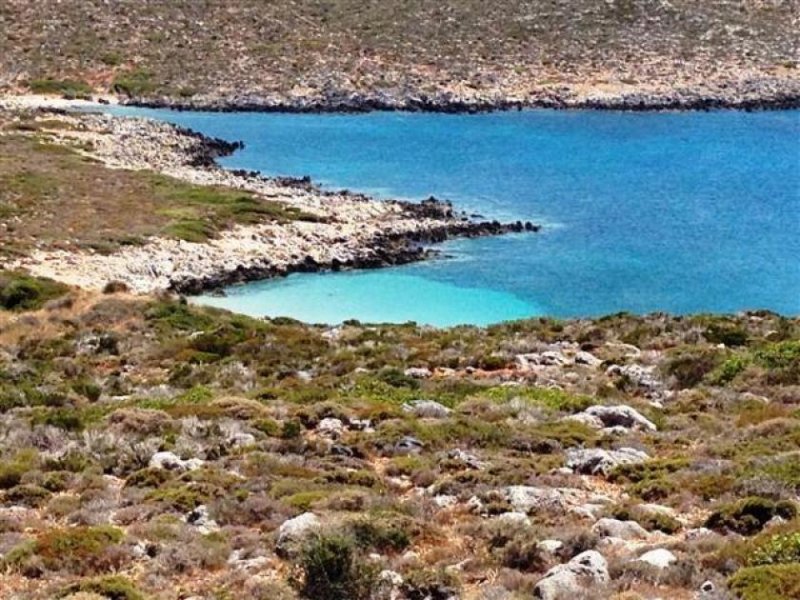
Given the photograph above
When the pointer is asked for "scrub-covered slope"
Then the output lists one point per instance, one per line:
(436, 54)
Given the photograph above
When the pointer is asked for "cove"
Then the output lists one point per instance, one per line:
(677, 212)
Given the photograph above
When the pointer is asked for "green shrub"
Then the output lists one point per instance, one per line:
(79, 550)
(113, 587)
(27, 494)
(748, 516)
(688, 366)
(782, 359)
(70, 88)
(20, 292)
(728, 334)
(780, 548)
(138, 82)
(767, 582)
(334, 570)
(382, 534)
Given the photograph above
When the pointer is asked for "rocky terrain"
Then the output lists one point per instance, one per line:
(206, 227)
(154, 450)
(456, 55)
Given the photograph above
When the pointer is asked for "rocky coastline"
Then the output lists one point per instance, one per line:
(341, 230)
(759, 93)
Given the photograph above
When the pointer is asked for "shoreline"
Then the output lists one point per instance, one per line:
(750, 91)
(348, 230)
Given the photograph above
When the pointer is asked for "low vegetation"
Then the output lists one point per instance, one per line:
(53, 196)
(270, 419)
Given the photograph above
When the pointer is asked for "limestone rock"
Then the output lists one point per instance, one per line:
(596, 461)
(625, 530)
(427, 409)
(573, 579)
(293, 531)
(660, 558)
(621, 415)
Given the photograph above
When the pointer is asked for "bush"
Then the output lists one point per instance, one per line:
(133, 83)
(772, 582)
(730, 335)
(78, 550)
(749, 516)
(70, 88)
(113, 587)
(20, 292)
(689, 366)
(781, 548)
(333, 570)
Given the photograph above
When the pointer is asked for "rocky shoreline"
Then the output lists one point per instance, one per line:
(343, 230)
(760, 93)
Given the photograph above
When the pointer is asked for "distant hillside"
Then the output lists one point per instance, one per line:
(303, 48)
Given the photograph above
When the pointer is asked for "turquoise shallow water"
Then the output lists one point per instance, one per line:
(680, 212)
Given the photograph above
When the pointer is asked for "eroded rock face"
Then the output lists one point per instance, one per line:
(568, 581)
(596, 461)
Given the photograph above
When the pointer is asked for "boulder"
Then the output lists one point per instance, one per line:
(292, 532)
(621, 416)
(624, 530)
(661, 558)
(574, 579)
(427, 409)
(586, 358)
(418, 372)
(172, 462)
(331, 427)
(596, 461)
(526, 498)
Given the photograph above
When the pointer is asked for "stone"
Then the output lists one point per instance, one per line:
(427, 409)
(661, 558)
(512, 518)
(573, 579)
(624, 530)
(621, 415)
(293, 531)
(408, 445)
(550, 546)
(586, 358)
(172, 462)
(525, 498)
(470, 460)
(200, 518)
(418, 372)
(331, 427)
(596, 461)
(707, 587)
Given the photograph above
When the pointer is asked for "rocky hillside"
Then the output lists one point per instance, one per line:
(153, 450)
(310, 53)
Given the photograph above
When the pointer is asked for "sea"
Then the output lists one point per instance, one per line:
(680, 212)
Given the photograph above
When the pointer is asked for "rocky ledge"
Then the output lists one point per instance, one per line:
(338, 229)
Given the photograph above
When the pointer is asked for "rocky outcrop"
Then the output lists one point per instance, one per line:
(571, 580)
(596, 461)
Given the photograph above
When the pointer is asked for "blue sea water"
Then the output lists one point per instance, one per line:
(678, 212)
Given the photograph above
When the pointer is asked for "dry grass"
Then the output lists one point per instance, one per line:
(52, 195)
